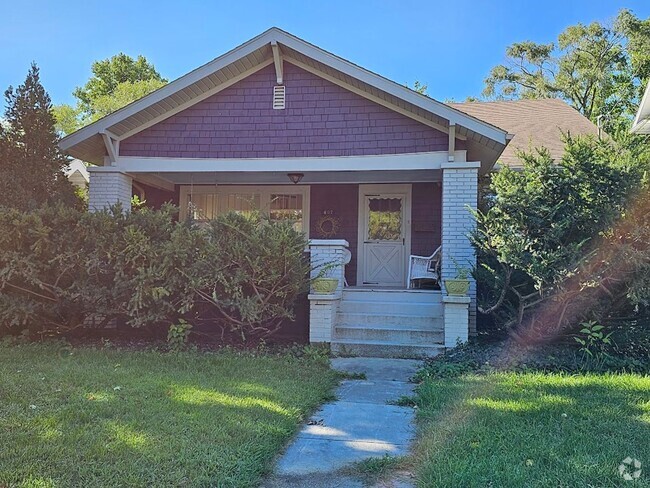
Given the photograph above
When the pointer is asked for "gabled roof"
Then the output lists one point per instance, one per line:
(484, 141)
(642, 120)
(534, 123)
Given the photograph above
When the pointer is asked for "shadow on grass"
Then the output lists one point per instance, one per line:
(115, 418)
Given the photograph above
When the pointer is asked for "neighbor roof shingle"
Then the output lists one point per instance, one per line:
(533, 123)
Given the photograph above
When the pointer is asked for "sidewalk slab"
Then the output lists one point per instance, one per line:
(360, 425)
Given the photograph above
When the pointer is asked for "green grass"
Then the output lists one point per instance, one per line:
(84, 417)
(532, 430)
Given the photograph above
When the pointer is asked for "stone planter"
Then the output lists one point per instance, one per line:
(324, 286)
(457, 287)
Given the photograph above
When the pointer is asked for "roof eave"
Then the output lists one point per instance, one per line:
(453, 115)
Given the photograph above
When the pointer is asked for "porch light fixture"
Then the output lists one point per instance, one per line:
(295, 177)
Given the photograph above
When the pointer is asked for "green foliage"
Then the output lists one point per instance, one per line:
(530, 429)
(131, 411)
(123, 94)
(30, 160)
(539, 224)
(61, 268)
(251, 270)
(593, 344)
(108, 74)
(421, 88)
(66, 118)
(178, 334)
(444, 369)
(116, 82)
(600, 70)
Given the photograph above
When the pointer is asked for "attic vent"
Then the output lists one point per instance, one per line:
(278, 97)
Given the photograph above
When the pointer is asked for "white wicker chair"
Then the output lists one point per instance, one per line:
(424, 267)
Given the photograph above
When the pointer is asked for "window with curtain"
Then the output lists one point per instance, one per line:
(281, 202)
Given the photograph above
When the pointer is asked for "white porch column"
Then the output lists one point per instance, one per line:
(459, 195)
(323, 308)
(456, 319)
(108, 185)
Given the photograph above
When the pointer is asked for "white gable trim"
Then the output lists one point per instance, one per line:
(429, 104)
(642, 119)
(277, 36)
(194, 101)
(371, 97)
(167, 90)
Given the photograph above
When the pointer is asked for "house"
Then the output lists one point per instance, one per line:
(373, 171)
(641, 123)
(532, 123)
(77, 173)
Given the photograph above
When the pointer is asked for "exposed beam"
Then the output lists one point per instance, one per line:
(452, 141)
(277, 60)
(112, 148)
(369, 96)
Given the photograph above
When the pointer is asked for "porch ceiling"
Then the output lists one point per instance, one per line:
(281, 178)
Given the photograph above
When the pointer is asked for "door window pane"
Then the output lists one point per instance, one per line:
(287, 207)
(384, 219)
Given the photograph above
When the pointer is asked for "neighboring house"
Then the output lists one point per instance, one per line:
(533, 123)
(77, 173)
(641, 123)
(369, 168)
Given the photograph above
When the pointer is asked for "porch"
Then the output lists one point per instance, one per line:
(371, 220)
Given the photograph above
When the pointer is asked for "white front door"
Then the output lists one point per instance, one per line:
(384, 234)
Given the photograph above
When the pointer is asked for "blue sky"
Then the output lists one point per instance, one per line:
(450, 46)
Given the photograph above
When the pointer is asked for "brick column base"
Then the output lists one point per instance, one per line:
(107, 186)
(456, 315)
(322, 316)
(328, 255)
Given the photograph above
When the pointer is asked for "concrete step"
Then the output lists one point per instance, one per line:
(390, 308)
(383, 349)
(390, 319)
(401, 335)
(401, 296)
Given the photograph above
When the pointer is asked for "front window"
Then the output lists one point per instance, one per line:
(287, 207)
(280, 202)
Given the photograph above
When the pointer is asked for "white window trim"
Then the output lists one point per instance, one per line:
(264, 191)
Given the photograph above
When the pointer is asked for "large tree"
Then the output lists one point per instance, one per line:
(599, 69)
(116, 82)
(30, 160)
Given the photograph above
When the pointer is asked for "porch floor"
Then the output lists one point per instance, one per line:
(395, 289)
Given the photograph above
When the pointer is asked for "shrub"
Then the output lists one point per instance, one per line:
(61, 268)
(542, 224)
(177, 335)
(251, 270)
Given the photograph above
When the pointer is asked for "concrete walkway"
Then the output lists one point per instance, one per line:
(360, 425)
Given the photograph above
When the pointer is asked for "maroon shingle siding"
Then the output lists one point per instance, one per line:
(321, 119)
(426, 218)
(343, 201)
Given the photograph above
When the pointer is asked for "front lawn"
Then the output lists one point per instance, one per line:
(86, 417)
(532, 430)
